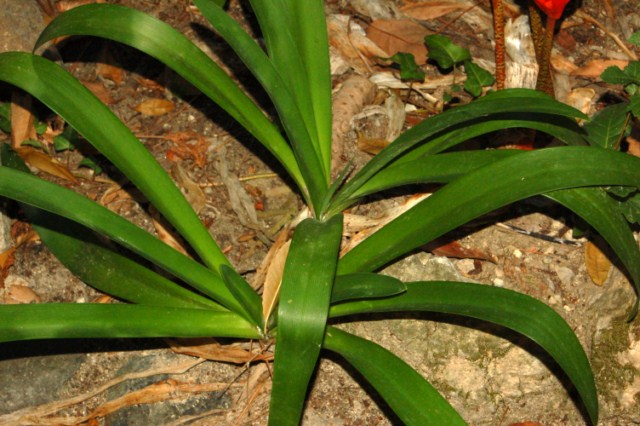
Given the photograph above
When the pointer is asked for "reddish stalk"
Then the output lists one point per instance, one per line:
(545, 79)
(498, 29)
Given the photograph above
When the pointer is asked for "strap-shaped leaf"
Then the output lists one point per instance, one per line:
(599, 210)
(305, 294)
(98, 263)
(274, 82)
(161, 41)
(91, 118)
(497, 105)
(365, 286)
(486, 189)
(93, 320)
(507, 308)
(36, 192)
(408, 394)
(245, 294)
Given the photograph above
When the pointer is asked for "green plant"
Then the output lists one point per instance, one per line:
(209, 298)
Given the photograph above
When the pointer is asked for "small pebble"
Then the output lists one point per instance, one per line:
(20, 294)
(517, 253)
(498, 282)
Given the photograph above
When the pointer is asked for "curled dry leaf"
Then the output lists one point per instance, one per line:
(106, 69)
(273, 279)
(582, 99)
(155, 106)
(43, 162)
(598, 264)
(427, 11)
(399, 35)
(164, 234)
(99, 91)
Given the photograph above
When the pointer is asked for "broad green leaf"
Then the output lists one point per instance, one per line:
(93, 320)
(408, 394)
(486, 189)
(364, 286)
(91, 118)
(608, 126)
(245, 294)
(507, 308)
(305, 295)
(477, 78)
(284, 100)
(445, 52)
(494, 106)
(409, 70)
(162, 42)
(36, 192)
(634, 105)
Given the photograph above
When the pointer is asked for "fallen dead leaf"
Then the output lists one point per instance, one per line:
(165, 235)
(399, 35)
(22, 128)
(371, 145)
(210, 349)
(99, 91)
(598, 264)
(106, 69)
(634, 146)
(155, 106)
(351, 43)
(594, 68)
(455, 250)
(427, 11)
(45, 163)
(191, 190)
(273, 279)
(20, 294)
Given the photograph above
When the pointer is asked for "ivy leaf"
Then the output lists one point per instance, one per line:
(634, 105)
(477, 77)
(61, 143)
(445, 52)
(607, 126)
(635, 39)
(409, 70)
(91, 164)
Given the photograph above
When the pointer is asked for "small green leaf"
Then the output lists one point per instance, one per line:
(477, 78)
(61, 143)
(608, 126)
(409, 70)
(92, 164)
(635, 39)
(5, 117)
(445, 52)
(40, 127)
(33, 143)
(634, 105)
(614, 75)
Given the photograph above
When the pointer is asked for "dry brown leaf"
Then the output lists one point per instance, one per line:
(45, 163)
(581, 98)
(106, 69)
(192, 192)
(351, 43)
(155, 106)
(165, 235)
(20, 294)
(634, 146)
(99, 91)
(371, 145)
(22, 128)
(455, 250)
(273, 280)
(399, 35)
(598, 264)
(434, 9)
(594, 68)
(208, 348)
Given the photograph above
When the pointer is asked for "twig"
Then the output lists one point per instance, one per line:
(586, 17)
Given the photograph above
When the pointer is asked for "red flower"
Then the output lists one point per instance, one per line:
(553, 8)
